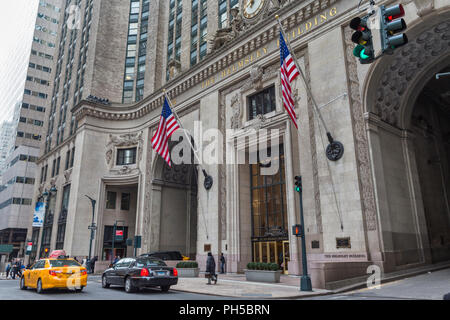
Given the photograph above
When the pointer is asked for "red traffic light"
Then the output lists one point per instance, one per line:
(394, 12)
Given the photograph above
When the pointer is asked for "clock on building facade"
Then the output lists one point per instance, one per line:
(252, 8)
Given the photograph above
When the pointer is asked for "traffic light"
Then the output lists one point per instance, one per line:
(390, 26)
(298, 184)
(297, 230)
(363, 39)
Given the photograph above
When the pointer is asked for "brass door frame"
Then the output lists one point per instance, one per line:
(271, 246)
(285, 259)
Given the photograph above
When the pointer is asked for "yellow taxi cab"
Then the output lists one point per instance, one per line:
(59, 272)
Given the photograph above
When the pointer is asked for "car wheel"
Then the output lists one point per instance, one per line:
(22, 284)
(105, 283)
(79, 290)
(129, 287)
(165, 288)
(39, 287)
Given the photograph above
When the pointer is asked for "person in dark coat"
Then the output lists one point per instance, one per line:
(93, 263)
(14, 270)
(222, 263)
(211, 268)
(8, 270)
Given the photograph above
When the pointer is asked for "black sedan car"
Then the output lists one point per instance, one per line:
(141, 272)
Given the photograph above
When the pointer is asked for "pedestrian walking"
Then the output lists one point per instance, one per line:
(211, 268)
(8, 270)
(93, 263)
(222, 263)
(14, 270)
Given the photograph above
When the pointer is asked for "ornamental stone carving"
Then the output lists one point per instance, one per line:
(225, 35)
(124, 140)
(361, 140)
(408, 62)
(236, 105)
(67, 174)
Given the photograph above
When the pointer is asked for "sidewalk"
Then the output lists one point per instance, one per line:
(235, 286)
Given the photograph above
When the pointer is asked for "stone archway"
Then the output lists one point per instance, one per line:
(392, 92)
(174, 208)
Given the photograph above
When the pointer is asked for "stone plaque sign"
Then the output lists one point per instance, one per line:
(315, 244)
(207, 248)
(343, 243)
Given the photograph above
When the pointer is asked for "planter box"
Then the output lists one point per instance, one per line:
(263, 275)
(188, 272)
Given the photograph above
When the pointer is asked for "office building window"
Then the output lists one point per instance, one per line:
(126, 156)
(261, 103)
(111, 200)
(125, 201)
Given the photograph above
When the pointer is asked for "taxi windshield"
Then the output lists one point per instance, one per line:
(64, 263)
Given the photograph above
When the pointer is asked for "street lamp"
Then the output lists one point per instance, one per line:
(92, 227)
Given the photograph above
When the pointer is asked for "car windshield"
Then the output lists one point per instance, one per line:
(64, 263)
(149, 262)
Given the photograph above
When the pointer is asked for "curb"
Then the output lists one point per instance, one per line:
(257, 297)
(361, 285)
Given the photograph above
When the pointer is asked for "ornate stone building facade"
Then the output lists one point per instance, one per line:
(386, 202)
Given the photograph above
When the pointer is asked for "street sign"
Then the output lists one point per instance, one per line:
(94, 227)
(119, 235)
(6, 248)
(29, 247)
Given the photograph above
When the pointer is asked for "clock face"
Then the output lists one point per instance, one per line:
(252, 8)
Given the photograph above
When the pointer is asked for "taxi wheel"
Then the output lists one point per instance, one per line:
(39, 287)
(129, 287)
(105, 283)
(22, 284)
(79, 290)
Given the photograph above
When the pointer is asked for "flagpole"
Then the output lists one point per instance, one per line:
(208, 179)
(333, 143)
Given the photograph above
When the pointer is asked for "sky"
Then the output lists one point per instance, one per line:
(17, 21)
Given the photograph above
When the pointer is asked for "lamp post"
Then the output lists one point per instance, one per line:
(92, 227)
(305, 283)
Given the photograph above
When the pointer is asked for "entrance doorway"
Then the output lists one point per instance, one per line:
(272, 252)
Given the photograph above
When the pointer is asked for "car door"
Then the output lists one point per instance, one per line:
(38, 266)
(29, 275)
(122, 270)
(112, 273)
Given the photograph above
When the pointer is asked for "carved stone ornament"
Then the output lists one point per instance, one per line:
(259, 122)
(174, 67)
(408, 62)
(124, 140)
(53, 181)
(236, 105)
(225, 35)
(67, 174)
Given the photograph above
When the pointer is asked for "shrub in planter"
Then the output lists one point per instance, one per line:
(187, 264)
(263, 266)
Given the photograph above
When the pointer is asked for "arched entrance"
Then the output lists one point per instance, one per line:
(174, 210)
(409, 115)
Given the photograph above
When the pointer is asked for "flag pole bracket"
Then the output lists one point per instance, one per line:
(208, 183)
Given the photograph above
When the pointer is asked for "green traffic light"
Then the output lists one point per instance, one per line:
(360, 52)
(297, 189)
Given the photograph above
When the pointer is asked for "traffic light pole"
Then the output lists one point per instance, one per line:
(305, 283)
(92, 227)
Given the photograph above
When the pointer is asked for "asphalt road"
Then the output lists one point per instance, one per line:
(429, 286)
(9, 290)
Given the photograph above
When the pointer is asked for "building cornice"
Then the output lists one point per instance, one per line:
(224, 58)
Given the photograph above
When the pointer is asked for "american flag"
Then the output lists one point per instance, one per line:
(289, 72)
(167, 126)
